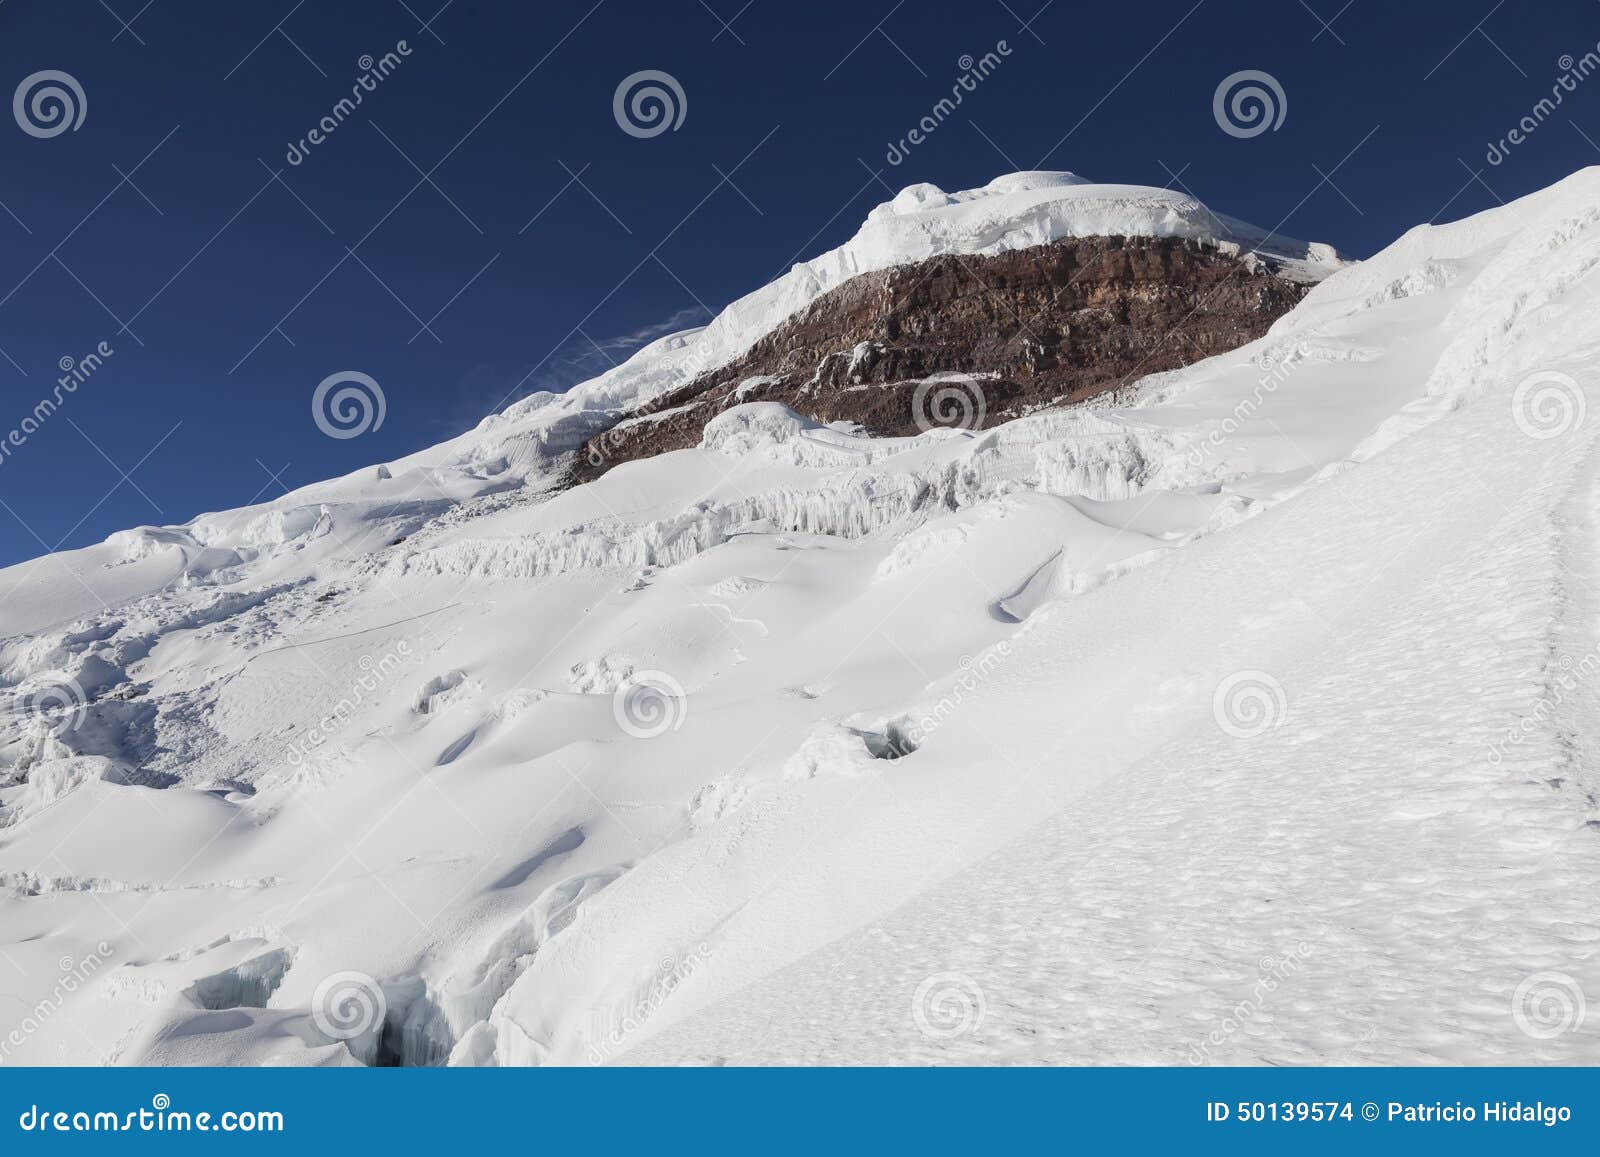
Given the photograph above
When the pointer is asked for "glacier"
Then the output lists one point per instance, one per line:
(1049, 742)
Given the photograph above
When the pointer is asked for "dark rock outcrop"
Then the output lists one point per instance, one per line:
(1051, 325)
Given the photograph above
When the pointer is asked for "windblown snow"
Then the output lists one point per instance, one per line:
(1247, 719)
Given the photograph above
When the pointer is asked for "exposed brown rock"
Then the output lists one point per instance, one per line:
(1055, 324)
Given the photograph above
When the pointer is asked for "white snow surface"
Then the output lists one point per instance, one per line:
(1247, 720)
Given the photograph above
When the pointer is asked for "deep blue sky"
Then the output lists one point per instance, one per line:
(203, 252)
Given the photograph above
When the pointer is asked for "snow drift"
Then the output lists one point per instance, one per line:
(1032, 743)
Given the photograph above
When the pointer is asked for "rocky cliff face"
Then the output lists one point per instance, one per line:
(998, 336)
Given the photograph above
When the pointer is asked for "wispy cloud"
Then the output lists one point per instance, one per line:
(627, 343)
(583, 358)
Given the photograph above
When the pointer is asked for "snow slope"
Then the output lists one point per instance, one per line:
(803, 745)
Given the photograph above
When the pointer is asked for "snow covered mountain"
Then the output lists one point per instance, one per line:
(1240, 715)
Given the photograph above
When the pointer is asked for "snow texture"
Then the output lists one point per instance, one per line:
(1247, 719)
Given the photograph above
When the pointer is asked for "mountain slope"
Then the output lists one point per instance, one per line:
(1001, 336)
(1373, 878)
(450, 761)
